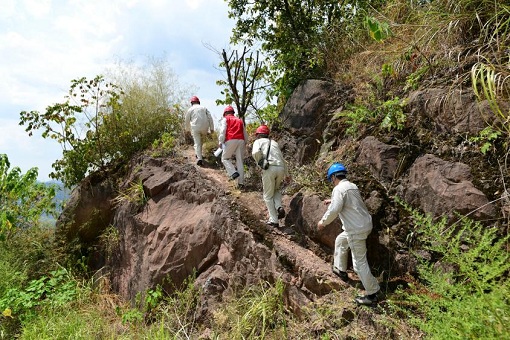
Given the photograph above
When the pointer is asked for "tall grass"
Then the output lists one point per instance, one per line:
(258, 313)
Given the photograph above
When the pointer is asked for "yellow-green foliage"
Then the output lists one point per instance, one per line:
(258, 313)
(134, 194)
(164, 146)
(464, 293)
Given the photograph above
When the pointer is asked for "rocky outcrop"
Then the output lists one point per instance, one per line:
(190, 225)
(450, 111)
(442, 188)
(306, 115)
(189, 221)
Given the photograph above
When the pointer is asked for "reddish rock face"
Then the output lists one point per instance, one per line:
(192, 224)
(442, 188)
(192, 221)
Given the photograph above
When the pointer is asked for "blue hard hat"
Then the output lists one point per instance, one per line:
(336, 168)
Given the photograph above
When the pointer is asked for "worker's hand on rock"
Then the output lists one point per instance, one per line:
(319, 225)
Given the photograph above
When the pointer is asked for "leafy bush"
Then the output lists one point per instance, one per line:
(394, 116)
(390, 113)
(164, 146)
(22, 199)
(355, 117)
(57, 289)
(103, 123)
(465, 293)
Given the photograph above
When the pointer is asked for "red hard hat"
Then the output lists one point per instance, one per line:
(228, 109)
(194, 99)
(263, 130)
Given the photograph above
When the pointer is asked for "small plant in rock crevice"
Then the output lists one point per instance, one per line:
(134, 194)
(109, 241)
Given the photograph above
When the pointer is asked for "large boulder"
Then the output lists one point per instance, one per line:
(305, 116)
(305, 212)
(380, 158)
(441, 188)
(450, 111)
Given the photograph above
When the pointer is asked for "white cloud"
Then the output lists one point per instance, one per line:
(38, 8)
(44, 44)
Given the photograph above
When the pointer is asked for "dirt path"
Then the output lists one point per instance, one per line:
(308, 268)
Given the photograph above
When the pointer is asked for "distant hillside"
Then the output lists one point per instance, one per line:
(61, 196)
(62, 193)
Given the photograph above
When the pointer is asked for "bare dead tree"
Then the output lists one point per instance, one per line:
(244, 71)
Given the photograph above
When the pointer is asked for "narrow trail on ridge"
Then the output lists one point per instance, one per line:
(303, 263)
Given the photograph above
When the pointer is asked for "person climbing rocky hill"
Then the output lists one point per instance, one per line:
(190, 220)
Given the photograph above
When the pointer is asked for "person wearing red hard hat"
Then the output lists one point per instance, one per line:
(266, 152)
(346, 203)
(199, 121)
(232, 138)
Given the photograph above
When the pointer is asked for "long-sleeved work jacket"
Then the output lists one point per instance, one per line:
(199, 119)
(347, 204)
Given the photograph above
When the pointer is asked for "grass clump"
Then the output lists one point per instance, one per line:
(258, 313)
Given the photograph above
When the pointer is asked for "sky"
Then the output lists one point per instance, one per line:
(44, 44)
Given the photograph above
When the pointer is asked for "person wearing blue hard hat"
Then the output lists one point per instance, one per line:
(347, 204)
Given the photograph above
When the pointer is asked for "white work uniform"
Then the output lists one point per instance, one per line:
(347, 204)
(273, 176)
(199, 121)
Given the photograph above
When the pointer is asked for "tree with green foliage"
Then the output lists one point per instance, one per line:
(22, 199)
(75, 125)
(102, 123)
(295, 34)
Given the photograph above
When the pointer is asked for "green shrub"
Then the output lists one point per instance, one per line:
(102, 123)
(393, 115)
(22, 199)
(464, 294)
(355, 117)
(164, 146)
(56, 289)
(390, 113)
